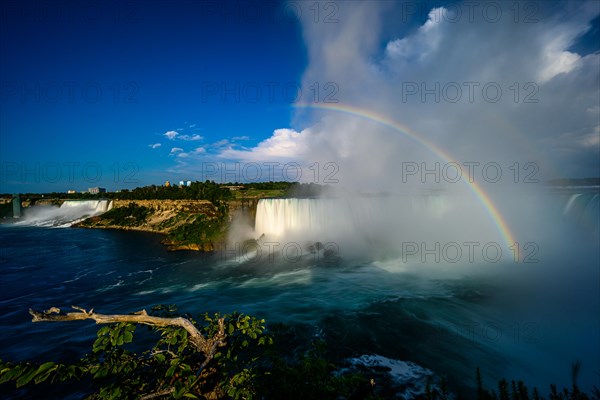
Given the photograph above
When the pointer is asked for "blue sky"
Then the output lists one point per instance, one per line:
(126, 94)
(152, 62)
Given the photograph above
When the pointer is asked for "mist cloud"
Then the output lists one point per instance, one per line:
(546, 111)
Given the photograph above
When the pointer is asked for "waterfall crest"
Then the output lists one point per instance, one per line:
(70, 212)
(429, 218)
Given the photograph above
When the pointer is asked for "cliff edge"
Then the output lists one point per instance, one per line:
(186, 224)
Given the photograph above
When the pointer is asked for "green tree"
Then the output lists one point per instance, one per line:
(190, 359)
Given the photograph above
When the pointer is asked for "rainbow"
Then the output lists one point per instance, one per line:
(488, 205)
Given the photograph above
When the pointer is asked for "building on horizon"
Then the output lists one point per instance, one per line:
(167, 184)
(96, 190)
(71, 191)
(185, 183)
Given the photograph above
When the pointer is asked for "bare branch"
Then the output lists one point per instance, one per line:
(158, 394)
(206, 346)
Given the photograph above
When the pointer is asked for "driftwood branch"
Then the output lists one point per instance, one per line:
(207, 346)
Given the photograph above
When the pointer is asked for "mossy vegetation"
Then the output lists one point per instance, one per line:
(130, 215)
(198, 229)
(186, 225)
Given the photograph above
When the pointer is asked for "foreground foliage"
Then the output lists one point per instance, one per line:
(171, 367)
(242, 366)
(231, 356)
(519, 391)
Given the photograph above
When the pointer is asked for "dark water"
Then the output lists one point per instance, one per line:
(513, 320)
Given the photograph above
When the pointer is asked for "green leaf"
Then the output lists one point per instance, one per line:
(12, 374)
(71, 371)
(179, 390)
(159, 357)
(128, 337)
(103, 331)
(102, 372)
(24, 379)
(186, 368)
(44, 371)
(170, 371)
(99, 345)
(116, 393)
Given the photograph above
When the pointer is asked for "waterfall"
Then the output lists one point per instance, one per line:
(318, 218)
(430, 219)
(70, 212)
(584, 208)
(99, 206)
(278, 217)
(375, 220)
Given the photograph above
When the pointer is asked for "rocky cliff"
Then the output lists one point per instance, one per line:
(185, 224)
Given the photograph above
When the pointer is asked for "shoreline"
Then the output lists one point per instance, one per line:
(182, 225)
(169, 245)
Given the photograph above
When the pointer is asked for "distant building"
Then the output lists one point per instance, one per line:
(96, 190)
(167, 184)
(181, 183)
(71, 191)
(188, 183)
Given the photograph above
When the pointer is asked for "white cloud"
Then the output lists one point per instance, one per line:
(171, 135)
(285, 144)
(420, 45)
(155, 145)
(220, 143)
(557, 62)
(556, 59)
(180, 153)
(190, 137)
